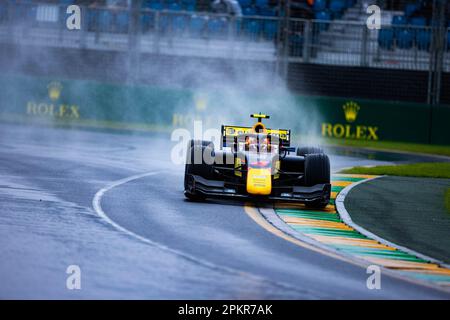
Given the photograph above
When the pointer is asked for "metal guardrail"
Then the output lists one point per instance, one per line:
(259, 38)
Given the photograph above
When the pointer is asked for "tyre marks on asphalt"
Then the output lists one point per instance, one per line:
(327, 227)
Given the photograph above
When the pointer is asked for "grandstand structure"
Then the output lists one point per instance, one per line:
(290, 37)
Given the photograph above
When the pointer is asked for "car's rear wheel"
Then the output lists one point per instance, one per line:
(317, 171)
(302, 151)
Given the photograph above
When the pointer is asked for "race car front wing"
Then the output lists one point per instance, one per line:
(220, 188)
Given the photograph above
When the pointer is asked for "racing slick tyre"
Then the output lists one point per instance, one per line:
(317, 171)
(302, 151)
(203, 169)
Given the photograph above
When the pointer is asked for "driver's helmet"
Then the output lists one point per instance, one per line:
(258, 144)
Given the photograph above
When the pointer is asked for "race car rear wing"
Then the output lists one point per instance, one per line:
(230, 132)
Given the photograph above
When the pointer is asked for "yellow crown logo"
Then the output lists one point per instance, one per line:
(54, 90)
(201, 102)
(351, 111)
(200, 105)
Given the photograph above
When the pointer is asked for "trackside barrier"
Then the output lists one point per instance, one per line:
(79, 102)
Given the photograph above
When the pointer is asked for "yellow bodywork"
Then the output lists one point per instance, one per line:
(237, 165)
(259, 181)
(277, 170)
(233, 131)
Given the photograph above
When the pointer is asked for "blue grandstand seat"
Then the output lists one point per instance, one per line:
(147, 20)
(105, 21)
(164, 22)
(217, 27)
(122, 20)
(418, 21)
(145, 3)
(410, 8)
(189, 7)
(386, 38)
(337, 5)
(320, 5)
(249, 11)
(423, 39)
(245, 3)
(267, 11)
(197, 24)
(261, 3)
(156, 5)
(399, 20)
(270, 29)
(346, 4)
(405, 39)
(174, 6)
(253, 27)
(179, 23)
(323, 15)
(22, 10)
(189, 2)
(91, 18)
(336, 8)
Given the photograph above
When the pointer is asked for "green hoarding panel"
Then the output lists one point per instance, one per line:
(79, 101)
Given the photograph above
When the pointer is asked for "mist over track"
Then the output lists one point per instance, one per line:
(153, 244)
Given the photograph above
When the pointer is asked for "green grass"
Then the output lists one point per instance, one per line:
(447, 200)
(426, 170)
(391, 146)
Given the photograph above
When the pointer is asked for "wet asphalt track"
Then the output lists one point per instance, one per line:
(171, 249)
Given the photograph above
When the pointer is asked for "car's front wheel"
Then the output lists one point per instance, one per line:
(196, 153)
(317, 171)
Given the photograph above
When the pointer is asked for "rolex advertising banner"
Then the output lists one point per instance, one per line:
(89, 103)
(373, 120)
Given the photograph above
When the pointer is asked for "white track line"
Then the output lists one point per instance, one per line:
(340, 207)
(96, 204)
(272, 217)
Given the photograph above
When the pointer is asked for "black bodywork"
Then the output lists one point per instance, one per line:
(289, 186)
(303, 178)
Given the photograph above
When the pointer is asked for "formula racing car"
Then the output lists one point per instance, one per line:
(257, 162)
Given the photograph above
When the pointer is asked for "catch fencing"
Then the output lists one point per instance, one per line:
(276, 40)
